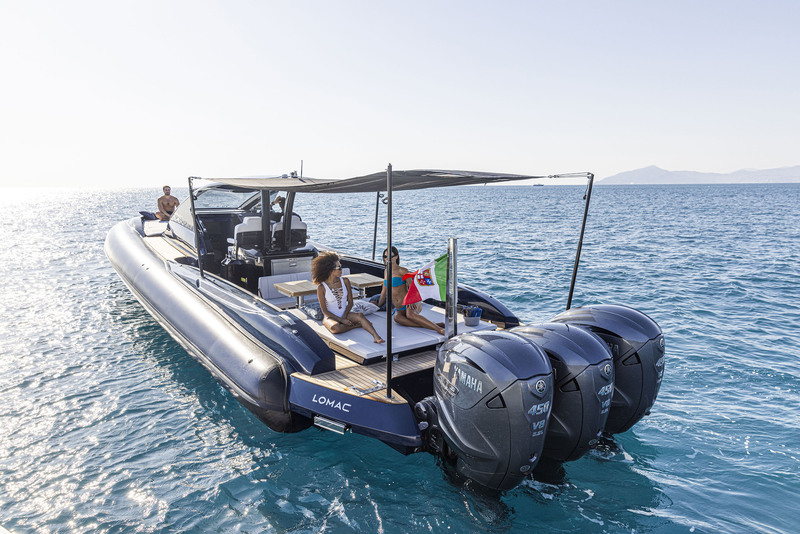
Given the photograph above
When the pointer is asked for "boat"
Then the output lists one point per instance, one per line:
(228, 278)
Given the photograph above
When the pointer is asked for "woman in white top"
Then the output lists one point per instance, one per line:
(336, 298)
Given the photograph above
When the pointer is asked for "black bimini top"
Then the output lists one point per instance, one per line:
(371, 183)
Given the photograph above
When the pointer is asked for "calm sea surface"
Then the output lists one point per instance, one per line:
(107, 425)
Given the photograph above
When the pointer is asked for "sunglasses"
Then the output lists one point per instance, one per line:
(393, 255)
(337, 267)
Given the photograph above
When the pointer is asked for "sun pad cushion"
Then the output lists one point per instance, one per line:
(360, 342)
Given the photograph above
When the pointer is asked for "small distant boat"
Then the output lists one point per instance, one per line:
(538, 185)
(227, 277)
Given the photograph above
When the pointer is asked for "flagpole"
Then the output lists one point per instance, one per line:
(388, 282)
(451, 298)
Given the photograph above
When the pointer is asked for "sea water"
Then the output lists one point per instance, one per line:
(108, 425)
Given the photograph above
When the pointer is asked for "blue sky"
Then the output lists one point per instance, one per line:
(141, 93)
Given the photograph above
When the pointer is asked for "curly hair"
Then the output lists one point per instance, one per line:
(322, 266)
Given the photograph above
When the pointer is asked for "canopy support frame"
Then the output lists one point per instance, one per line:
(378, 197)
(388, 282)
(588, 197)
(197, 239)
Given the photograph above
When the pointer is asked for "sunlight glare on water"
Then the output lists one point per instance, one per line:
(110, 426)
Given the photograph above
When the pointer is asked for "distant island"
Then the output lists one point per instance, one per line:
(656, 175)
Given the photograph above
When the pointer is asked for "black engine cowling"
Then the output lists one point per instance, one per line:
(583, 375)
(637, 346)
(493, 393)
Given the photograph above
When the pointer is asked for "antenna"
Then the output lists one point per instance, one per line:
(301, 169)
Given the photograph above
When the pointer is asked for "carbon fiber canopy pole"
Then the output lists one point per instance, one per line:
(588, 197)
(378, 196)
(197, 239)
(388, 282)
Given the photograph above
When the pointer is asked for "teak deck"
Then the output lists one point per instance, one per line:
(351, 377)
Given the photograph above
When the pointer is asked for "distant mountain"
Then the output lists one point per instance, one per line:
(656, 175)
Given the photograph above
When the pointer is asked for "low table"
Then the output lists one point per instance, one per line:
(362, 281)
(297, 289)
(301, 288)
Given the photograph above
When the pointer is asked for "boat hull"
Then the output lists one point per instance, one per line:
(254, 374)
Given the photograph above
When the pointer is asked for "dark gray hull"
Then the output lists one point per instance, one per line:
(481, 401)
(243, 343)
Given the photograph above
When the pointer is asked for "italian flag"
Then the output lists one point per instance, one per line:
(428, 282)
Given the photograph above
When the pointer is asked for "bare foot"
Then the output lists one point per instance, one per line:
(379, 340)
(440, 330)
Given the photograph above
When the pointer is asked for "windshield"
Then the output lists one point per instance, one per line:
(221, 198)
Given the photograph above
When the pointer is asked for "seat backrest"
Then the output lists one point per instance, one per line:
(249, 224)
(297, 224)
(299, 232)
(248, 233)
(266, 284)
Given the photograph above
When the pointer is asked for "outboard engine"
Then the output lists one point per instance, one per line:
(637, 346)
(493, 393)
(583, 386)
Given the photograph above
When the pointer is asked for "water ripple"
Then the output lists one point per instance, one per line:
(109, 426)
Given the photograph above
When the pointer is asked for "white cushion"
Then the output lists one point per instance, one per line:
(360, 342)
